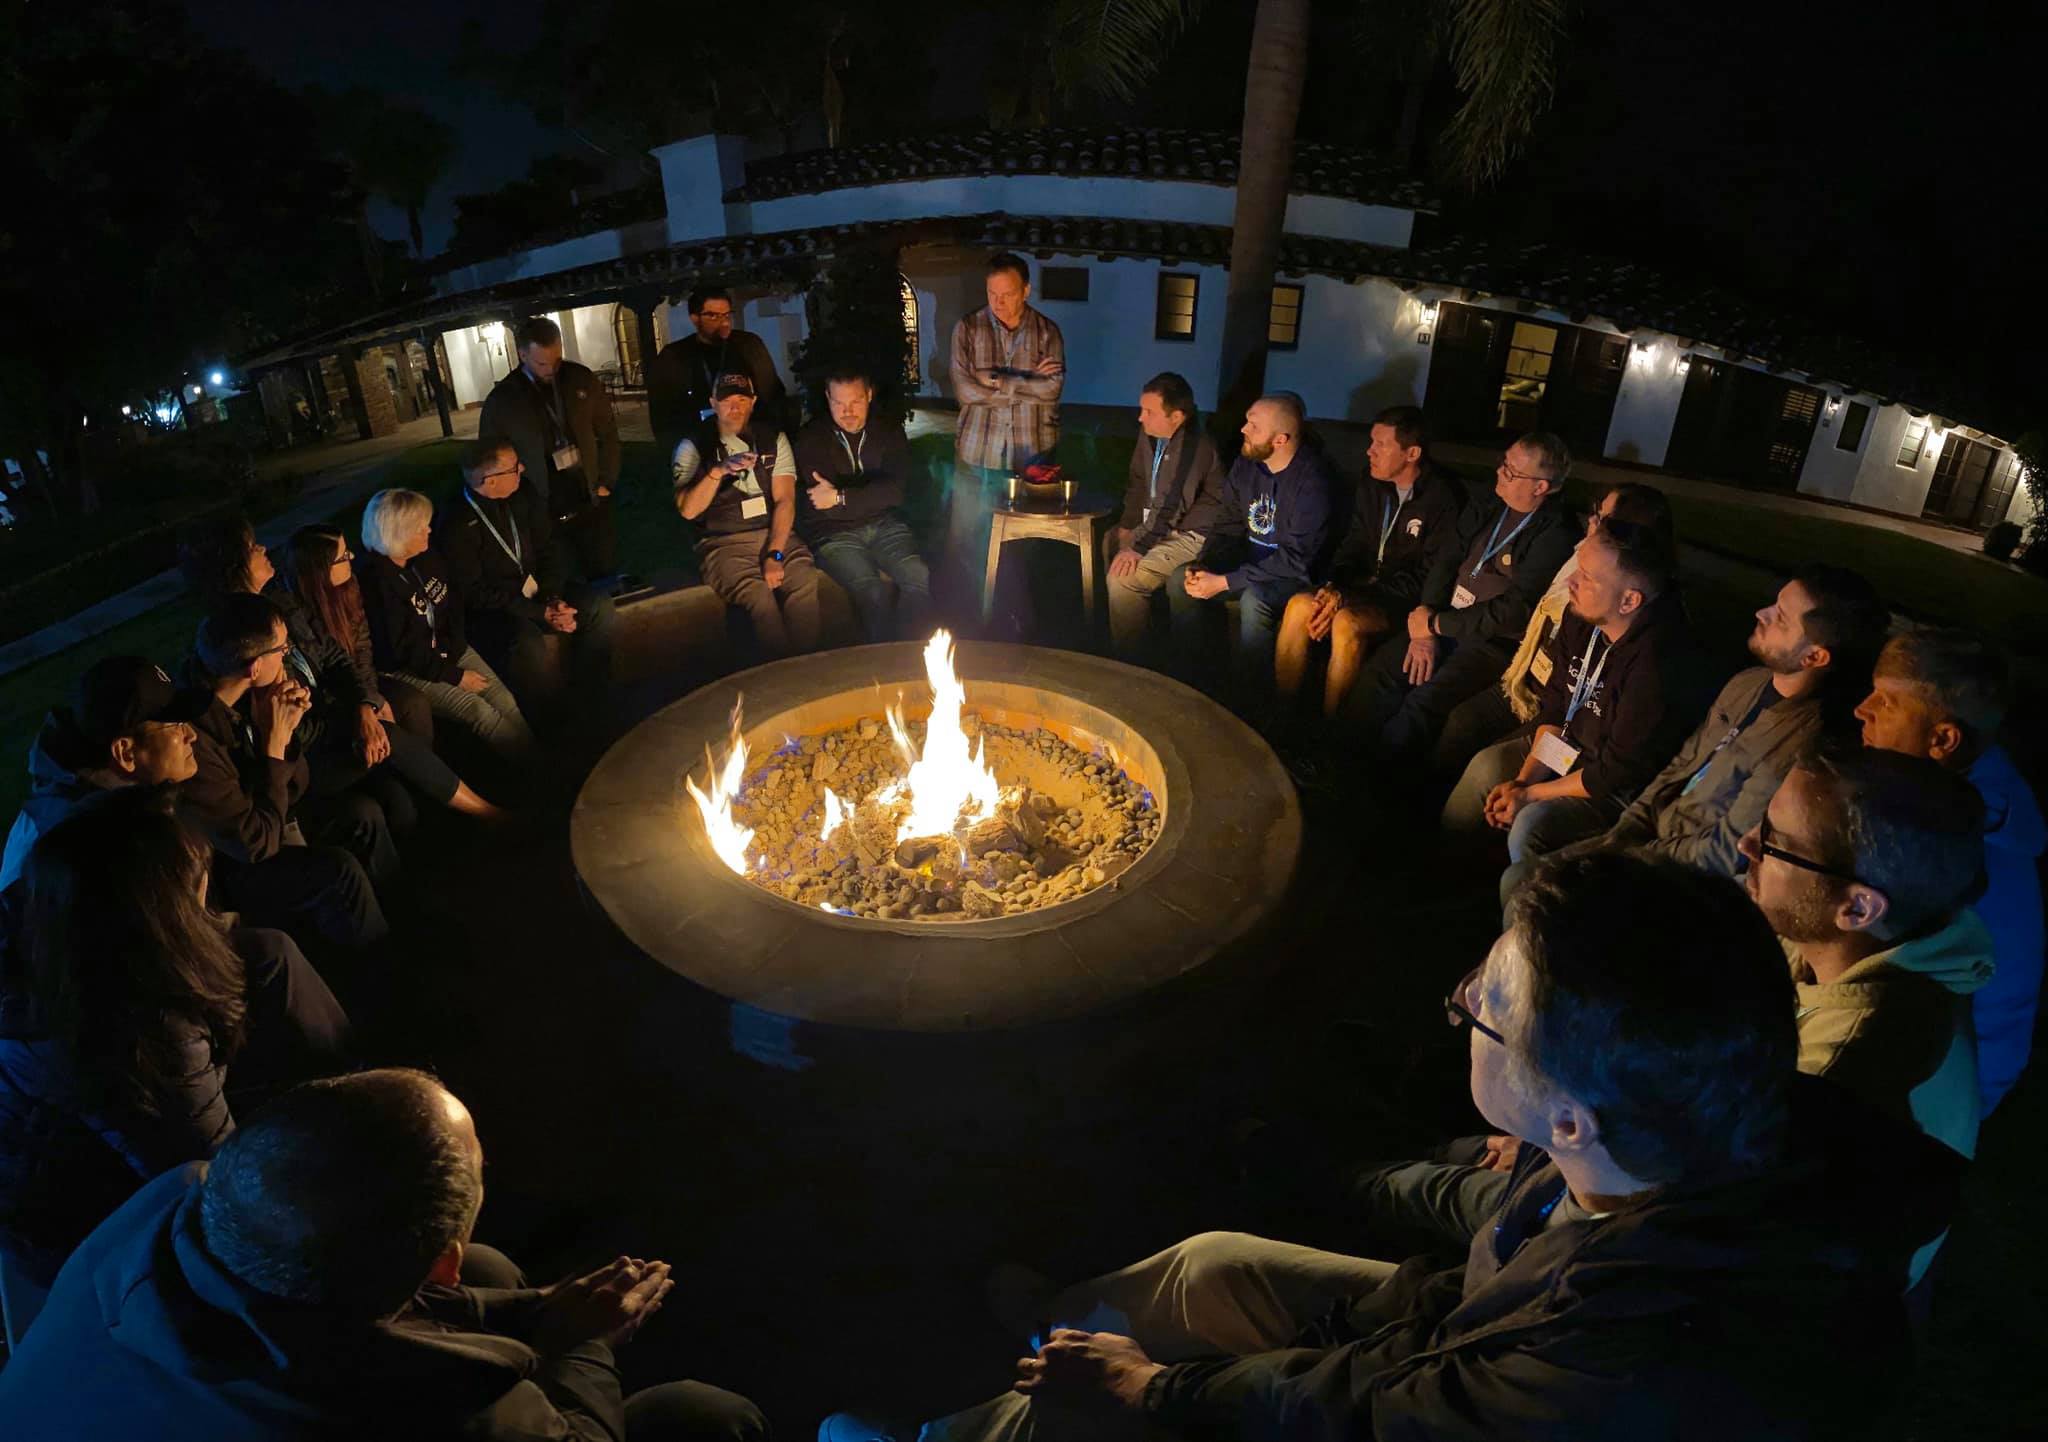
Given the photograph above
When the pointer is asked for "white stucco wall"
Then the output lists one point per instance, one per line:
(591, 249)
(1358, 353)
(1110, 197)
(590, 328)
(1646, 406)
(1871, 475)
(474, 365)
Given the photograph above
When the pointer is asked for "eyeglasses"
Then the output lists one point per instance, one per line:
(343, 559)
(1514, 475)
(518, 468)
(1764, 847)
(715, 314)
(273, 651)
(1459, 1014)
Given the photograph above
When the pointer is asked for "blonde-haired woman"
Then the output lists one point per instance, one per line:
(415, 621)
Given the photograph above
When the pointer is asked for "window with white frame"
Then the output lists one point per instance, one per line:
(1914, 443)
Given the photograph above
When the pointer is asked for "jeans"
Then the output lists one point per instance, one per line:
(1400, 723)
(491, 714)
(1539, 827)
(859, 557)
(1251, 647)
(1130, 597)
(1473, 725)
(785, 617)
(296, 1029)
(970, 514)
(306, 890)
(1217, 1294)
(667, 1412)
(545, 668)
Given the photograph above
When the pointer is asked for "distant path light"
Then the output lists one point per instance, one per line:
(217, 378)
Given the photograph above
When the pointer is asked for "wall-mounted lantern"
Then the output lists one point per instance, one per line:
(1425, 321)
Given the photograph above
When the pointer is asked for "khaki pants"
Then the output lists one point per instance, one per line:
(785, 618)
(1217, 1294)
(1130, 597)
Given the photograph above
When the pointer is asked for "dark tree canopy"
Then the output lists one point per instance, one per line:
(166, 204)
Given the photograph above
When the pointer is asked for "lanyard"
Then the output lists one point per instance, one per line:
(1733, 731)
(1158, 458)
(1011, 337)
(1495, 544)
(517, 550)
(1387, 528)
(853, 453)
(1589, 680)
(551, 399)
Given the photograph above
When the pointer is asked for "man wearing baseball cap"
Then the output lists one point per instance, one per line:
(735, 476)
(126, 725)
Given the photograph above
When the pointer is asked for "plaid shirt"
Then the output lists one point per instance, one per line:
(1017, 420)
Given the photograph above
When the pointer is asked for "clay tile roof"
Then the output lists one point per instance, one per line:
(1137, 153)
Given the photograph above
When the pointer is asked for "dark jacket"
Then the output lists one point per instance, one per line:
(680, 379)
(1190, 487)
(65, 1165)
(871, 468)
(1510, 583)
(1651, 688)
(486, 577)
(415, 617)
(1421, 532)
(1274, 529)
(521, 411)
(146, 1335)
(59, 778)
(346, 674)
(240, 800)
(726, 515)
(1722, 778)
(1689, 1316)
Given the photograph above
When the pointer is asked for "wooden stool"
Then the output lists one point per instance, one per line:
(1023, 522)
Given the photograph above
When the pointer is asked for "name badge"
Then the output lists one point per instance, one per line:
(753, 507)
(1539, 667)
(529, 588)
(1461, 598)
(1554, 751)
(567, 458)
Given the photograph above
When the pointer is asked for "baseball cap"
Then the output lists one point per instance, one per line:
(732, 383)
(117, 695)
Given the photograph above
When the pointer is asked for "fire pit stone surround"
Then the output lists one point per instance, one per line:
(1228, 839)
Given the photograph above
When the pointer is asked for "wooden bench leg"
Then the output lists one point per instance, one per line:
(995, 555)
(1084, 543)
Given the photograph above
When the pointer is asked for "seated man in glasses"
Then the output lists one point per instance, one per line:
(1865, 864)
(1664, 1252)
(1626, 682)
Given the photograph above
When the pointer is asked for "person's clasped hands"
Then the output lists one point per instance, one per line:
(1087, 1370)
(607, 1305)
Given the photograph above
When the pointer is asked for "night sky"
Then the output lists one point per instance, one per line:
(407, 50)
(1874, 174)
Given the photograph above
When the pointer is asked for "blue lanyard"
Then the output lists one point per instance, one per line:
(1589, 676)
(1387, 528)
(1494, 544)
(1158, 456)
(1010, 338)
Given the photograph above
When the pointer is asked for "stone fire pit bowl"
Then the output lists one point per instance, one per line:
(1227, 847)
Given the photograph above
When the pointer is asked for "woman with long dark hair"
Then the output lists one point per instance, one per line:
(348, 738)
(125, 1003)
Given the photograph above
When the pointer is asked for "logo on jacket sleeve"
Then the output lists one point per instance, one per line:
(1258, 516)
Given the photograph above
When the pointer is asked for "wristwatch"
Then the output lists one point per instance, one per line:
(776, 557)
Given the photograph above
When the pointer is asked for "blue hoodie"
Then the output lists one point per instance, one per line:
(146, 1335)
(2014, 837)
(1285, 520)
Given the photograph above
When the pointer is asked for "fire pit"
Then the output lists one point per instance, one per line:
(860, 839)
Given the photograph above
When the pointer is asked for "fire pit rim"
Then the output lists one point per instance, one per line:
(1194, 891)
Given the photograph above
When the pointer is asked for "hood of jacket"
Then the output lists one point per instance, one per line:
(2012, 817)
(162, 1296)
(1957, 957)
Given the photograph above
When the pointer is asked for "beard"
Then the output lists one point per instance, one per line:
(1807, 918)
(1262, 451)
(1779, 663)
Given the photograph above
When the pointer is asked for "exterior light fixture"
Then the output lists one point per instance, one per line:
(196, 391)
(127, 410)
(1425, 320)
(217, 378)
(1684, 364)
